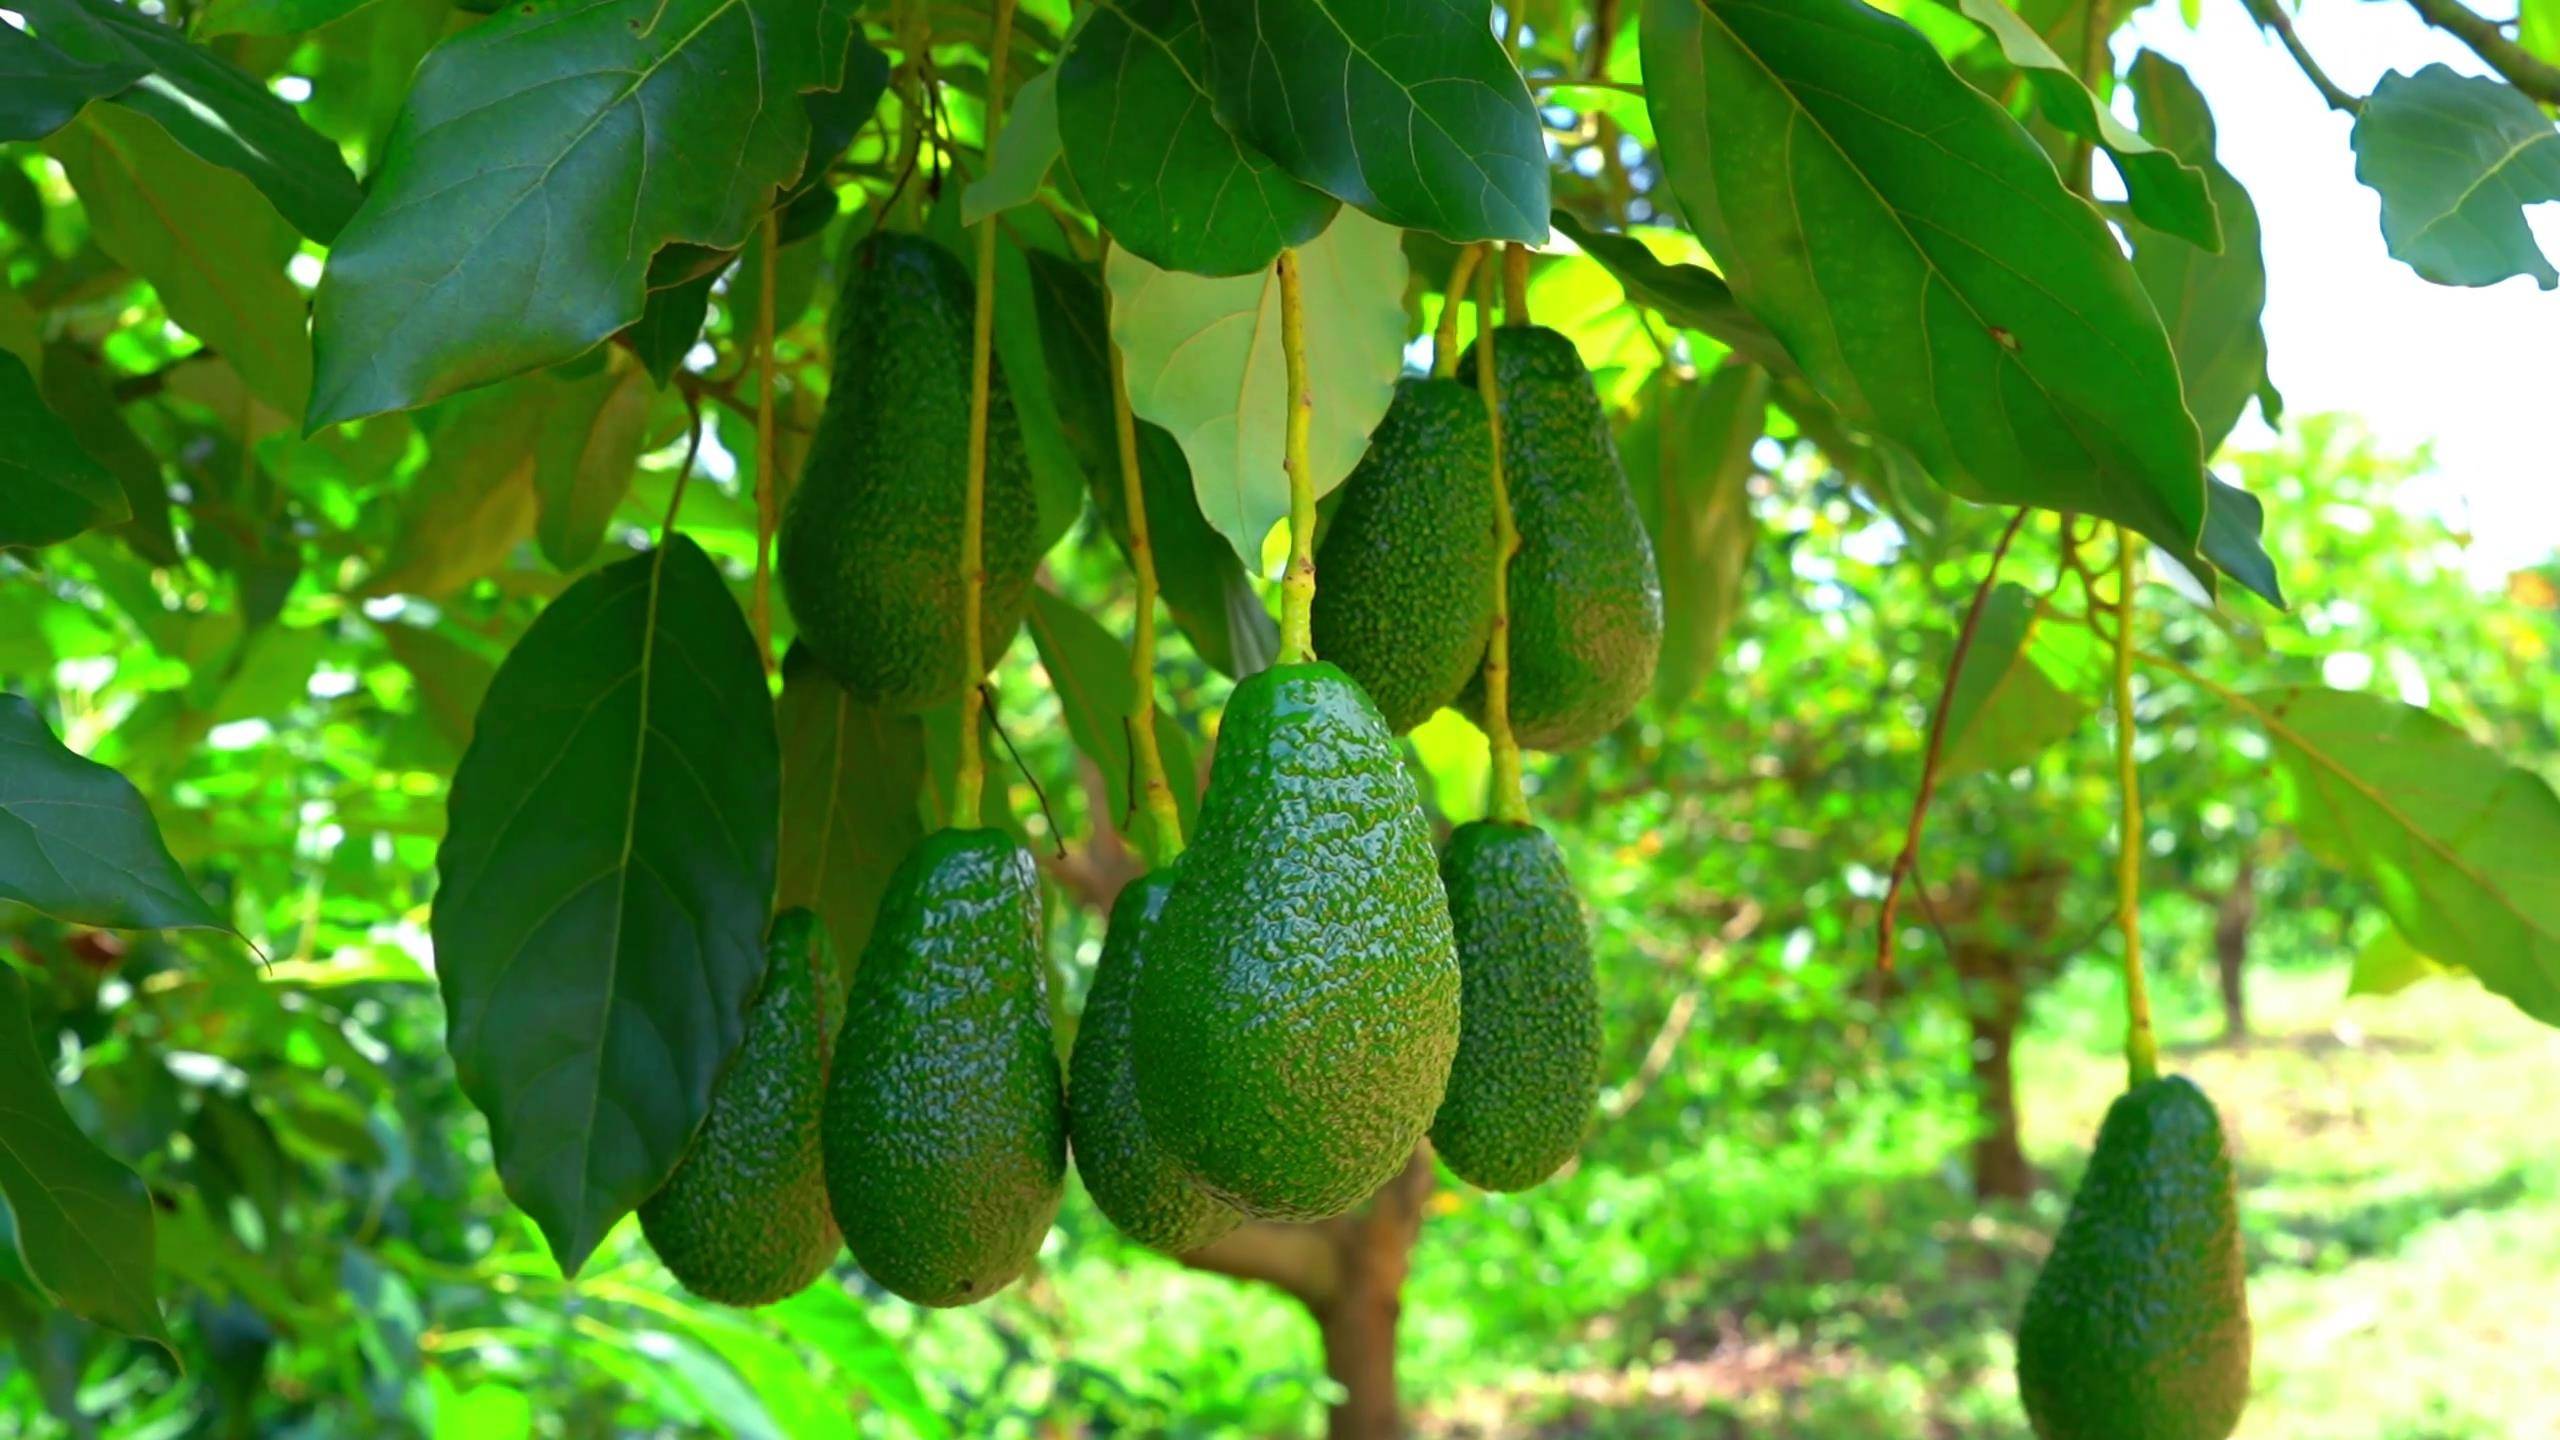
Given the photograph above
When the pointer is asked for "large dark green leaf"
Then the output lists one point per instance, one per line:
(2209, 303)
(1692, 297)
(1920, 259)
(1204, 587)
(41, 88)
(50, 489)
(2456, 159)
(669, 324)
(1145, 145)
(78, 843)
(1410, 111)
(1089, 669)
(606, 875)
(852, 783)
(2458, 846)
(76, 389)
(83, 1221)
(204, 237)
(544, 157)
(211, 107)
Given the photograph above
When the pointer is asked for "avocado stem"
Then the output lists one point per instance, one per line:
(1510, 800)
(766, 489)
(1298, 586)
(1444, 337)
(970, 783)
(1515, 284)
(2141, 1050)
(1148, 761)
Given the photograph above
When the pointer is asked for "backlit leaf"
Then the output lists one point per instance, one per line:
(1025, 149)
(851, 780)
(2210, 304)
(2025, 684)
(2456, 159)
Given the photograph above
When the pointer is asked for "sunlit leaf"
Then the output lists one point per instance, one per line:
(2025, 685)
(1025, 149)
(2456, 159)
(1689, 463)
(2210, 304)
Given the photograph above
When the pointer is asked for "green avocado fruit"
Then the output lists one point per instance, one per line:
(1586, 601)
(870, 546)
(1137, 1186)
(946, 1127)
(2138, 1325)
(1528, 1067)
(1298, 1009)
(1404, 591)
(744, 1219)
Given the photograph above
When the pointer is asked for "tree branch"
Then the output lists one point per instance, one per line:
(1299, 1260)
(2271, 16)
(2523, 69)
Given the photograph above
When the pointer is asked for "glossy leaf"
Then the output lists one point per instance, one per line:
(76, 388)
(1925, 268)
(604, 883)
(1410, 111)
(210, 106)
(50, 488)
(1164, 176)
(1203, 361)
(83, 1220)
(669, 325)
(2166, 193)
(1089, 669)
(204, 237)
(2456, 159)
(544, 157)
(1689, 296)
(2456, 845)
(78, 843)
(852, 780)
(2210, 304)
(41, 88)
(1025, 149)
(2233, 524)
(2025, 684)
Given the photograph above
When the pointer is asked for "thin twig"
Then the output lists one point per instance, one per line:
(1937, 741)
(2523, 69)
(987, 705)
(2270, 16)
(692, 452)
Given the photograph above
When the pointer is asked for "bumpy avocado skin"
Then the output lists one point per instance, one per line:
(744, 1220)
(1298, 1010)
(1404, 588)
(870, 546)
(2138, 1325)
(1143, 1191)
(1528, 1064)
(946, 1133)
(1586, 601)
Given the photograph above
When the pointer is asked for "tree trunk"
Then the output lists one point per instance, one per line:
(2231, 921)
(2000, 1168)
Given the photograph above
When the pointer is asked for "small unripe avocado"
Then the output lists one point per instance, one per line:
(2138, 1325)
(744, 1220)
(1298, 1010)
(1528, 1064)
(1404, 595)
(1586, 601)
(946, 1143)
(1142, 1190)
(869, 551)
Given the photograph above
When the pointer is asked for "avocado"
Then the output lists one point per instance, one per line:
(744, 1219)
(1404, 592)
(946, 1127)
(1528, 1064)
(870, 545)
(1586, 602)
(1298, 1008)
(2138, 1325)
(1143, 1192)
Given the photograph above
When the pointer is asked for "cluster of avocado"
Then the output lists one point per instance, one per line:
(1280, 1016)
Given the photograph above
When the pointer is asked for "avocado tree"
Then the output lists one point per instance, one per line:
(517, 524)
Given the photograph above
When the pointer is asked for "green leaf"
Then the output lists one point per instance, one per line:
(78, 843)
(1410, 111)
(452, 679)
(271, 17)
(544, 157)
(1025, 149)
(852, 777)
(1203, 586)
(2210, 304)
(1143, 140)
(2456, 159)
(591, 440)
(2166, 194)
(604, 882)
(1089, 669)
(1692, 297)
(2025, 684)
(1203, 361)
(221, 114)
(205, 239)
(83, 1221)
(2233, 522)
(473, 501)
(2388, 964)
(1925, 269)
(75, 389)
(841, 1328)
(1689, 458)
(669, 325)
(2458, 846)
(41, 88)
(50, 489)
